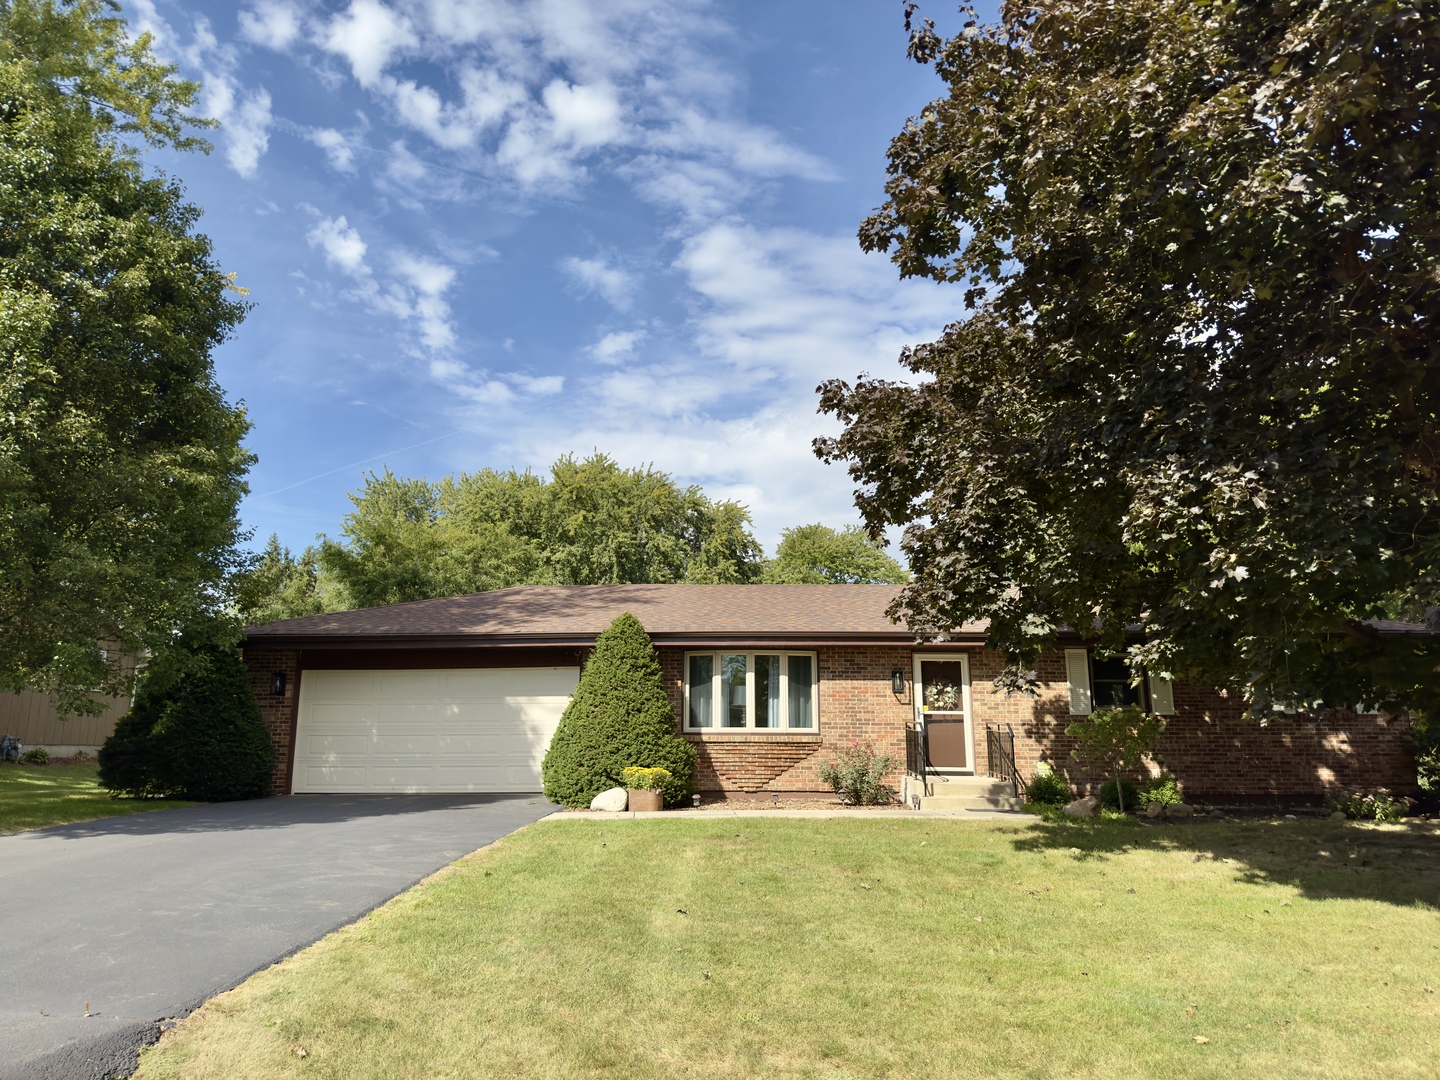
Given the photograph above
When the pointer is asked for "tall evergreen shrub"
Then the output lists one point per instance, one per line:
(620, 716)
(193, 731)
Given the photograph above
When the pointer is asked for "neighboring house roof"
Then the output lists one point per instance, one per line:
(575, 614)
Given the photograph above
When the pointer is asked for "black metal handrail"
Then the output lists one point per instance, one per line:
(1000, 756)
(915, 762)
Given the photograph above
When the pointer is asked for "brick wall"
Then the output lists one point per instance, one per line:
(1208, 744)
(277, 712)
(856, 705)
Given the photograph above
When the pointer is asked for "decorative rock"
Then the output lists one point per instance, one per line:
(1179, 810)
(1291, 817)
(1338, 815)
(1154, 809)
(1089, 806)
(616, 799)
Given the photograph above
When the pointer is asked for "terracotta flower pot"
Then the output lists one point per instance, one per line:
(640, 799)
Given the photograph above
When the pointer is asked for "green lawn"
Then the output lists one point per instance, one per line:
(33, 796)
(867, 948)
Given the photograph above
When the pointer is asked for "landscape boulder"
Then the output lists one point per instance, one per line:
(1338, 815)
(1089, 806)
(1180, 810)
(612, 799)
(1154, 809)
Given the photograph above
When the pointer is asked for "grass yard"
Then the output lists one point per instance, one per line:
(867, 948)
(34, 796)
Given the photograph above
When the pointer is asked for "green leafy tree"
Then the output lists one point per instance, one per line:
(193, 731)
(619, 717)
(1196, 388)
(820, 555)
(280, 585)
(1115, 741)
(121, 465)
(591, 523)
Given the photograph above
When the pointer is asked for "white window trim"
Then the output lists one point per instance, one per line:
(965, 704)
(750, 728)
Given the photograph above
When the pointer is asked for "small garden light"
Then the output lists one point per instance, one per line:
(277, 684)
(897, 681)
(695, 800)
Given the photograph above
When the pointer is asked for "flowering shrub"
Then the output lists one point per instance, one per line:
(637, 778)
(1373, 806)
(858, 775)
(1048, 788)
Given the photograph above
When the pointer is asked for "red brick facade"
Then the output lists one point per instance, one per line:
(1208, 745)
(278, 712)
(1214, 752)
(856, 705)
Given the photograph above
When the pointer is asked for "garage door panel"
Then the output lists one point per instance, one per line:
(332, 778)
(483, 729)
(405, 746)
(334, 746)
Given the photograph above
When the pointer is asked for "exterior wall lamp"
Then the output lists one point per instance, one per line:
(897, 681)
(277, 684)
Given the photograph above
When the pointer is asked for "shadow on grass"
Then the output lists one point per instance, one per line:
(1323, 860)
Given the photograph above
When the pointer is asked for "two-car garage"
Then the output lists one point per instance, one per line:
(440, 730)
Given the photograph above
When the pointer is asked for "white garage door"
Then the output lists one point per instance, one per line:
(473, 729)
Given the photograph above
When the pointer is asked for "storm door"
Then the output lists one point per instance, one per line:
(942, 706)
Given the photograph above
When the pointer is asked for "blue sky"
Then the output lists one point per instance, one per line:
(479, 232)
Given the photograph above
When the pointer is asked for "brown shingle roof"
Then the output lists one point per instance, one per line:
(574, 614)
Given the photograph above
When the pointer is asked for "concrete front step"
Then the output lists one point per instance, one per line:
(970, 787)
(955, 792)
(961, 802)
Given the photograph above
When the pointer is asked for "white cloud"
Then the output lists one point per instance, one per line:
(339, 148)
(541, 385)
(368, 35)
(615, 347)
(341, 244)
(730, 402)
(247, 132)
(612, 283)
(582, 116)
(271, 23)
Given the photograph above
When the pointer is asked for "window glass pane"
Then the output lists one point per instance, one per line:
(732, 691)
(943, 684)
(767, 692)
(802, 691)
(702, 691)
(1110, 683)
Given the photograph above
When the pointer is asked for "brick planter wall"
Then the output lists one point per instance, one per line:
(277, 712)
(856, 705)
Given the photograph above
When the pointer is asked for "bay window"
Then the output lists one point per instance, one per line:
(750, 691)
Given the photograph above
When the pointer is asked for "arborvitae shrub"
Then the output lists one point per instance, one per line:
(194, 731)
(620, 716)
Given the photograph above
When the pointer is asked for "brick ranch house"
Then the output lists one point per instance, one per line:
(768, 681)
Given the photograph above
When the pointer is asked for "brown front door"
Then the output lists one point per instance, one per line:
(942, 700)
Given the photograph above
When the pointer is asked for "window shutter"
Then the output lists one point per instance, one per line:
(1162, 696)
(1077, 672)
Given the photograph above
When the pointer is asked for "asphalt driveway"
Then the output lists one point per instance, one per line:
(144, 917)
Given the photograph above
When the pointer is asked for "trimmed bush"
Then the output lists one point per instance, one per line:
(1109, 800)
(193, 731)
(620, 716)
(1048, 788)
(36, 755)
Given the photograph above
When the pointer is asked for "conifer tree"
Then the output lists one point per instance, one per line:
(619, 716)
